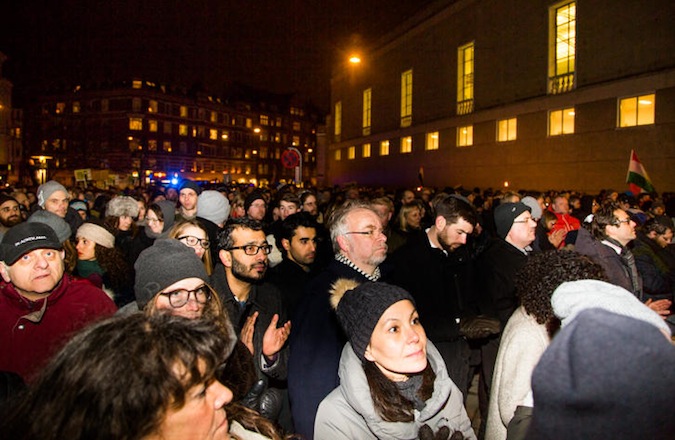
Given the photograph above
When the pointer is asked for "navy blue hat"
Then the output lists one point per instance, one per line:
(190, 185)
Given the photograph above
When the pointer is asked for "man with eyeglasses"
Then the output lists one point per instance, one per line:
(496, 270)
(10, 214)
(253, 305)
(360, 247)
(607, 244)
(436, 269)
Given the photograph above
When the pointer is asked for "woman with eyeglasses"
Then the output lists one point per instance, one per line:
(171, 279)
(193, 235)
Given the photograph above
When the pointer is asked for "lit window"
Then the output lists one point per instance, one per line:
(264, 120)
(562, 47)
(76, 107)
(152, 125)
(561, 122)
(183, 111)
(296, 141)
(432, 141)
(406, 144)
(384, 148)
(60, 107)
(465, 136)
(249, 123)
(465, 57)
(136, 84)
(214, 117)
(297, 126)
(135, 124)
(507, 129)
(367, 97)
(351, 153)
(183, 129)
(365, 151)
(338, 154)
(637, 110)
(213, 133)
(406, 98)
(152, 106)
(225, 135)
(338, 118)
(152, 145)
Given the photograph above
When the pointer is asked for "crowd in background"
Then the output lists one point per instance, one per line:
(496, 278)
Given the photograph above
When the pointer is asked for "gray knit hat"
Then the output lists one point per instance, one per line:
(122, 205)
(213, 206)
(573, 297)
(162, 264)
(535, 208)
(505, 214)
(47, 189)
(52, 220)
(360, 306)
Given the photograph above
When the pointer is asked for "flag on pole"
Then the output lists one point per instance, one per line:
(637, 178)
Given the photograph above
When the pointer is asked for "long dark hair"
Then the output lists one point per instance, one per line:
(119, 276)
(118, 378)
(388, 400)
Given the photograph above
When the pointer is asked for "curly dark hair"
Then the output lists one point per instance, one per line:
(544, 272)
(119, 275)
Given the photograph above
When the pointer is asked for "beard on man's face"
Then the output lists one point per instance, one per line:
(250, 274)
(10, 221)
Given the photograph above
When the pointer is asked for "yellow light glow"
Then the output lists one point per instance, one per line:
(256, 130)
(355, 59)
(645, 102)
(506, 184)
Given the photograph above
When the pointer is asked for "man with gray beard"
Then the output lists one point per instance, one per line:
(360, 247)
(254, 306)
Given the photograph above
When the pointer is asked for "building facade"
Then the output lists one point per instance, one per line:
(531, 94)
(140, 132)
(10, 132)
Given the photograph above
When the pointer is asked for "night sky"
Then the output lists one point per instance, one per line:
(284, 46)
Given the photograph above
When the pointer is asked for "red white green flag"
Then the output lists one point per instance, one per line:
(637, 178)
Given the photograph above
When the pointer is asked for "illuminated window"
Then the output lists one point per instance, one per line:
(249, 123)
(561, 122)
(406, 98)
(432, 141)
(214, 117)
(152, 145)
(76, 107)
(365, 150)
(60, 108)
(152, 125)
(367, 97)
(338, 118)
(507, 129)
(135, 124)
(183, 111)
(637, 110)
(264, 120)
(225, 135)
(152, 106)
(338, 154)
(384, 148)
(406, 144)
(465, 57)
(213, 133)
(562, 47)
(465, 136)
(183, 129)
(296, 141)
(136, 84)
(351, 152)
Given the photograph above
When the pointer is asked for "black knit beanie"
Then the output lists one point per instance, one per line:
(255, 195)
(360, 306)
(505, 214)
(162, 264)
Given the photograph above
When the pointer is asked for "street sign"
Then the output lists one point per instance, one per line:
(290, 159)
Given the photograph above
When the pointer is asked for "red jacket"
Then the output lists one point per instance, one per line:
(565, 222)
(25, 345)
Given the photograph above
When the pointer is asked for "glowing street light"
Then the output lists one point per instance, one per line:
(354, 59)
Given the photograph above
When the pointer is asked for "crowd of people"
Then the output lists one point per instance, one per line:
(231, 311)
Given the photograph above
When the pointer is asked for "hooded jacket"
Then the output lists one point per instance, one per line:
(349, 413)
